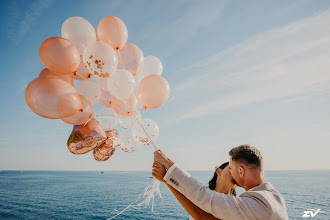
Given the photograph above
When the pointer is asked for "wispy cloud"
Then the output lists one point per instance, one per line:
(20, 24)
(282, 62)
(180, 29)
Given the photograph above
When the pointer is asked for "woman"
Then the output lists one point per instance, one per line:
(222, 182)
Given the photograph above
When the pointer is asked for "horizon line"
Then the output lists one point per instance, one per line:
(149, 170)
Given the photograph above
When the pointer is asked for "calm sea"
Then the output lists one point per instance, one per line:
(96, 195)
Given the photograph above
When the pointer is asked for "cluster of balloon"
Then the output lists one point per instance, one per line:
(108, 71)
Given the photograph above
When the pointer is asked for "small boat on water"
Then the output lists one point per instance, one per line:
(102, 172)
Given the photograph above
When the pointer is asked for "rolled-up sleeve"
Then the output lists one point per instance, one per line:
(169, 171)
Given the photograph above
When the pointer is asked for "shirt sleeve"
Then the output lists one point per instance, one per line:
(169, 171)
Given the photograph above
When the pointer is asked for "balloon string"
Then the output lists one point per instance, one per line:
(121, 60)
(88, 120)
(138, 120)
(81, 76)
(149, 192)
(93, 113)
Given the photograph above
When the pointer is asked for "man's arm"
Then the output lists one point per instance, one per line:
(196, 212)
(220, 205)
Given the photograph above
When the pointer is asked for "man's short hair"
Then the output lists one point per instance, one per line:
(247, 155)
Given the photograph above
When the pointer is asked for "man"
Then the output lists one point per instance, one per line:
(260, 201)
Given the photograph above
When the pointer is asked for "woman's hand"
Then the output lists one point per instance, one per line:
(158, 171)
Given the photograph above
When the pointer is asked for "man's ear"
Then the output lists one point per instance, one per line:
(241, 171)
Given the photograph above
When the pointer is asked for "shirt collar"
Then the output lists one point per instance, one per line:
(262, 187)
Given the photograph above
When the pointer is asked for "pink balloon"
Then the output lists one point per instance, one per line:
(47, 72)
(125, 107)
(52, 97)
(130, 58)
(82, 72)
(84, 114)
(112, 31)
(153, 91)
(59, 55)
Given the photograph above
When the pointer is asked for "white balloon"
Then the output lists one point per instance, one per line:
(102, 82)
(100, 59)
(146, 131)
(130, 121)
(106, 99)
(79, 31)
(121, 84)
(89, 89)
(127, 142)
(152, 65)
(107, 118)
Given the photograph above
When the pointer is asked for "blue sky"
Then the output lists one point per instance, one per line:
(240, 72)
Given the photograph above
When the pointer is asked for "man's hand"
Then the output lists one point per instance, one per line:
(163, 159)
(158, 172)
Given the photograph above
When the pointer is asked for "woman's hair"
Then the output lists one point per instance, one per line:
(213, 181)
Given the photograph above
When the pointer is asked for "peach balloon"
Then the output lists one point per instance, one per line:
(112, 31)
(84, 114)
(47, 72)
(52, 97)
(125, 107)
(130, 58)
(153, 91)
(59, 55)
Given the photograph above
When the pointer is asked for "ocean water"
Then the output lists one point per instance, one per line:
(96, 195)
